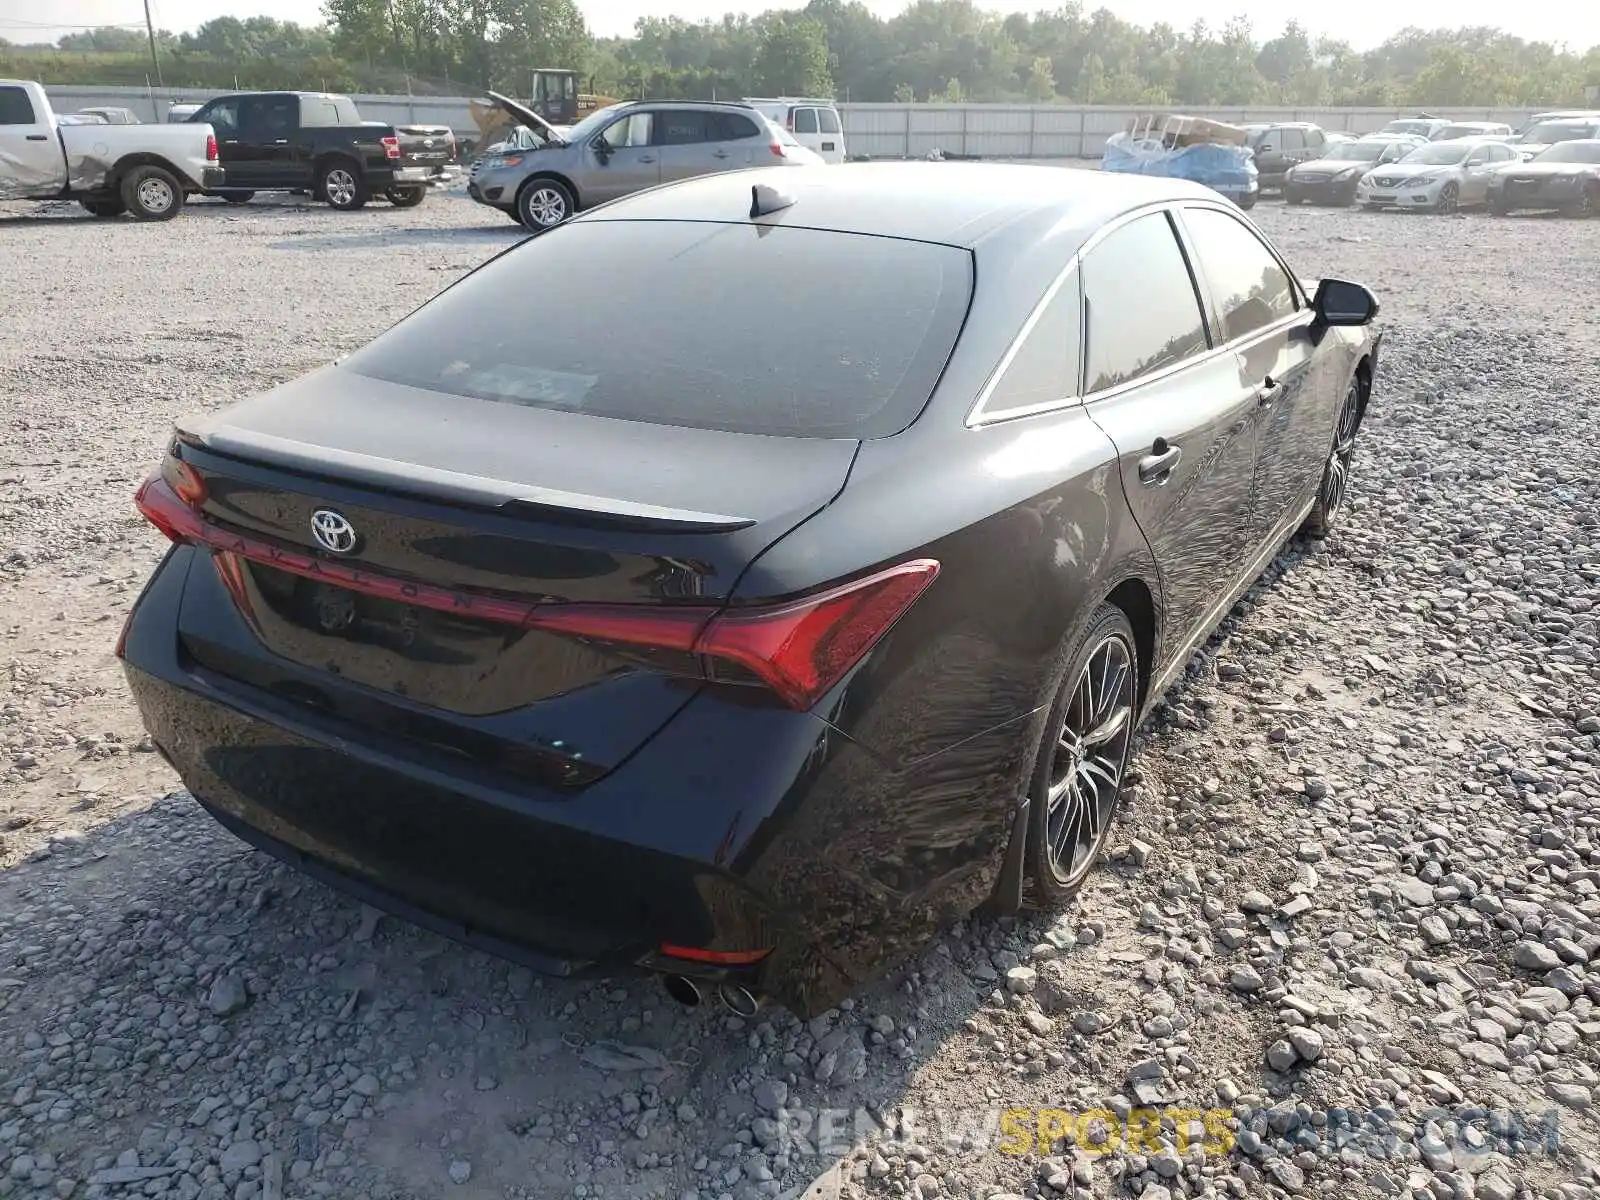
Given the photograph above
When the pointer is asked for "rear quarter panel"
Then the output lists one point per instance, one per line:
(93, 151)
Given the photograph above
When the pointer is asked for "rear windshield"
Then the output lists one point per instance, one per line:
(768, 329)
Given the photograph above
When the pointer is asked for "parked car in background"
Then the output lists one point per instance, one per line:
(1560, 114)
(435, 148)
(1423, 127)
(1278, 147)
(316, 142)
(621, 149)
(815, 124)
(1437, 177)
(684, 653)
(112, 115)
(142, 170)
(181, 112)
(1565, 177)
(79, 119)
(1472, 129)
(1540, 136)
(1333, 178)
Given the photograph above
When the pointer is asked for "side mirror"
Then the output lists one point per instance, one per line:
(600, 146)
(1338, 302)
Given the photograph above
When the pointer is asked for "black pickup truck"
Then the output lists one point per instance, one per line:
(317, 142)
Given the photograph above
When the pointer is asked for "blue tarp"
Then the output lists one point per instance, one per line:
(1226, 168)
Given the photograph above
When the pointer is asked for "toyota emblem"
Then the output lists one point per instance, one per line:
(332, 531)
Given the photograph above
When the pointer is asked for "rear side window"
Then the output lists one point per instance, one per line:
(15, 107)
(672, 323)
(830, 120)
(1044, 369)
(1142, 310)
(1291, 139)
(681, 127)
(1248, 286)
(805, 120)
(731, 127)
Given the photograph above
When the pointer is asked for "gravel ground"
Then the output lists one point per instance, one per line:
(1342, 942)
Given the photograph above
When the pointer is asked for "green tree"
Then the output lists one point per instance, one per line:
(792, 59)
(1041, 85)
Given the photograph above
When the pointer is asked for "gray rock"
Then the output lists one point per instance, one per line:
(1281, 1055)
(227, 995)
(1307, 1043)
(1572, 1095)
(460, 1171)
(239, 1156)
(1021, 980)
(1533, 956)
(771, 1095)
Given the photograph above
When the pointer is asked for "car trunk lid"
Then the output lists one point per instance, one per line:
(456, 519)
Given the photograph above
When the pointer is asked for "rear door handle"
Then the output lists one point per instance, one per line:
(1155, 468)
(719, 154)
(38, 137)
(647, 158)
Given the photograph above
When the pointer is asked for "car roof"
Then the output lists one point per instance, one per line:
(733, 105)
(995, 205)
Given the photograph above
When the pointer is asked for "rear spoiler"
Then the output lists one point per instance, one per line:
(455, 487)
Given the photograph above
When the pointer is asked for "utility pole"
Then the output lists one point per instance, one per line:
(151, 30)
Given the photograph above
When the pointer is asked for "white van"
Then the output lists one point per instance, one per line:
(815, 124)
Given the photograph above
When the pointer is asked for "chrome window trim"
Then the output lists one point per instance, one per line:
(976, 416)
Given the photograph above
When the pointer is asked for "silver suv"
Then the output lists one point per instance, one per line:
(621, 149)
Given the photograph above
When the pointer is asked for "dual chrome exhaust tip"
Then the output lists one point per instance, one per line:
(735, 998)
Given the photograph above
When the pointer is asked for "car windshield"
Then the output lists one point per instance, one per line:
(1557, 131)
(672, 322)
(1437, 154)
(1357, 151)
(593, 123)
(1575, 151)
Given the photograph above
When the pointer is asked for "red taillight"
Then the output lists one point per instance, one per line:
(778, 150)
(391, 146)
(798, 649)
(173, 507)
(211, 147)
(802, 649)
(719, 958)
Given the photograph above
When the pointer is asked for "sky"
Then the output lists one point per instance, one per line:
(1363, 23)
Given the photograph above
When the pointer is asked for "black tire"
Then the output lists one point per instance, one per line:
(1588, 204)
(1334, 486)
(1498, 210)
(1449, 199)
(406, 197)
(1246, 202)
(1066, 834)
(237, 197)
(1293, 198)
(341, 185)
(104, 208)
(152, 193)
(544, 203)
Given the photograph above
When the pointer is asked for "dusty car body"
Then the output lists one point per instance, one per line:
(1440, 176)
(145, 170)
(619, 150)
(1565, 177)
(664, 656)
(1334, 178)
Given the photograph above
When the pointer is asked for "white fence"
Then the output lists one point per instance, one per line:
(880, 130)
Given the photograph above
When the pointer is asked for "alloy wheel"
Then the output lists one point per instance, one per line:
(1091, 752)
(156, 195)
(546, 207)
(1336, 476)
(1447, 198)
(340, 187)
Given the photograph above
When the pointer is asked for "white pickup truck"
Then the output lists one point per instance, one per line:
(147, 171)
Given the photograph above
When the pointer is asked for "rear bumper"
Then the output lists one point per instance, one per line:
(213, 177)
(738, 827)
(1543, 201)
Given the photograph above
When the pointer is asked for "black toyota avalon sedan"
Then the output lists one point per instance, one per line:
(793, 584)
